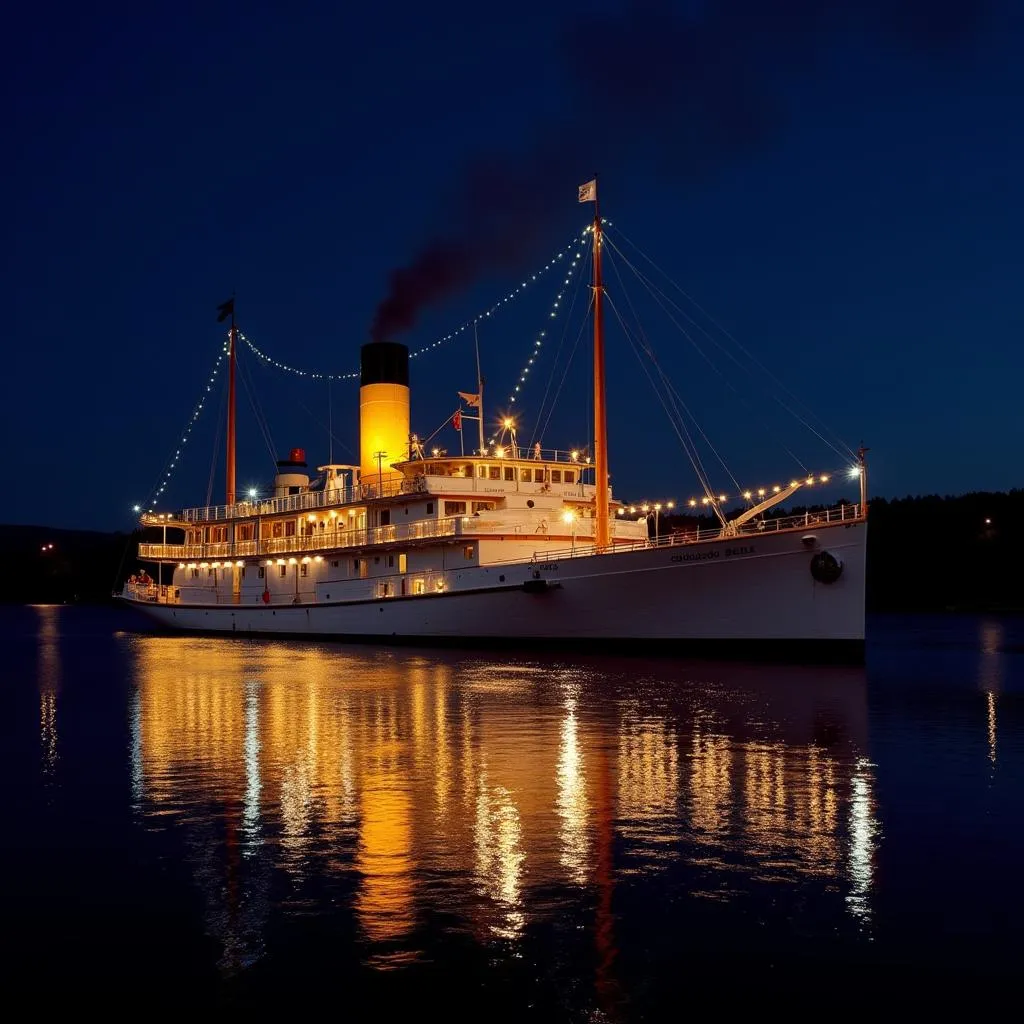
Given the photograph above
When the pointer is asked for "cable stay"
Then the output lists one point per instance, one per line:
(261, 421)
(839, 445)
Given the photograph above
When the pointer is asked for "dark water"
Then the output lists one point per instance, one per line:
(218, 823)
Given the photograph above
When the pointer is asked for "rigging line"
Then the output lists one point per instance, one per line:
(444, 423)
(680, 428)
(553, 313)
(670, 388)
(216, 446)
(584, 275)
(749, 405)
(450, 336)
(659, 296)
(757, 362)
(261, 423)
(565, 373)
(309, 412)
(163, 478)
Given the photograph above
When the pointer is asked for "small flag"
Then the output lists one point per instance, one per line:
(226, 309)
(588, 192)
(457, 419)
(473, 401)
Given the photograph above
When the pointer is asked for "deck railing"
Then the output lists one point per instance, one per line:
(806, 520)
(427, 529)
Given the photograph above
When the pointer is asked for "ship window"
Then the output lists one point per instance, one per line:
(468, 551)
(195, 574)
(305, 569)
(385, 517)
(211, 572)
(481, 471)
(294, 490)
(494, 472)
(430, 508)
(263, 572)
(483, 506)
(454, 508)
(510, 472)
(525, 474)
(402, 562)
(467, 470)
(283, 570)
(391, 561)
(243, 573)
(556, 476)
(569, 476)
(360, 568)
(538, 476)
(419, 586)
(277, 530)
(334, 565)
(289, 528)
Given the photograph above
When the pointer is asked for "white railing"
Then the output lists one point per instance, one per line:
(806, 520)
(321, 541)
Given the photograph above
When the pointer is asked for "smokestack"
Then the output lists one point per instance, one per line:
(383, 410)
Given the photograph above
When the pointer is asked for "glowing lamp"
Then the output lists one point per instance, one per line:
(293, 561)
(568, 516)
(693, 503)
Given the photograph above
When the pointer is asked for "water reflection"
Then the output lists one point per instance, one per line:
(48, 680)
(394, 786)
(991, 667)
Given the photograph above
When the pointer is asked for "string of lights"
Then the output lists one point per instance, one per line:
(760, 493)
(186, 433)
(450, 336)
(555, 309)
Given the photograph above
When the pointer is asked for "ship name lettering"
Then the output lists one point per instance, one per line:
(549, 567)
(704, 556)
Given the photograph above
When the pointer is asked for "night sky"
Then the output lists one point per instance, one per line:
(840, 190)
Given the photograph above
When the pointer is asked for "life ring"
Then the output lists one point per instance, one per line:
(826, 567)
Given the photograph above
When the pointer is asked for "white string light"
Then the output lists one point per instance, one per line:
(292, 369)
(555, 308)
(451, 336)
(187, 432)
(760, 493)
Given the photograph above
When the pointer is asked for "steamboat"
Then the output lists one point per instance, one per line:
(508, 545)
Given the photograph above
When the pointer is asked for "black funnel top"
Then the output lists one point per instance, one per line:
(384, 362)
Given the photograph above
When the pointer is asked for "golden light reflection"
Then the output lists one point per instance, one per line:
(573, 807)
(990, 678)
(48, 680)
(418, 783)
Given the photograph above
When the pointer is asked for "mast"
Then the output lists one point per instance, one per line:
(479, 390)
(230, 497)
(600, 414)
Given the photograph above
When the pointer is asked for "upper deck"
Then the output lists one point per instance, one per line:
(506, 470)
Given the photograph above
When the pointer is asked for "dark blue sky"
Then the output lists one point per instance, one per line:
(843, 197)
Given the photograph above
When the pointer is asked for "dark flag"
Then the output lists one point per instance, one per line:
(226, 309)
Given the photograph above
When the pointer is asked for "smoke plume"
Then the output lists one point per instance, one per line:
(686, 92)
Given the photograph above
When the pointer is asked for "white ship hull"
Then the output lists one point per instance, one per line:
(744, 595)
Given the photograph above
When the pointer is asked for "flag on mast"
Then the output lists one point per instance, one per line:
(226, 309)
(473, 401)
(588, 192)
(457, 419)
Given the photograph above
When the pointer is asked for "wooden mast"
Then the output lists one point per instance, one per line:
(230, 475)
(603, 535)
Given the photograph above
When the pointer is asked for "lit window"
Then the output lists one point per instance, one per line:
(402, 562)
(495, 472)
(468, 551)
(454, 508)
(283, 569)
(556, 476)
(419, 586)
(305, 570)
(510, 473)
(263, 572)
